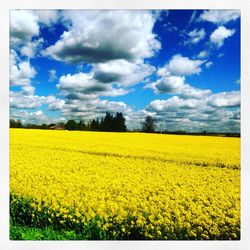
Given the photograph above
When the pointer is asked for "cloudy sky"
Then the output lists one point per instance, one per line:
(181, 67)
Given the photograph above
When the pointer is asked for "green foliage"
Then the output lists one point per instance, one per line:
(18, 232)
(71, 125)
(148, 125)
(15, 124)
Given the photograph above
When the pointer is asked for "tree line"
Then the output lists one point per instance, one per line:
(112, 123)
(108, 123)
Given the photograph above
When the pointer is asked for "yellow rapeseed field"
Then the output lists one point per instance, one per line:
(126, 185)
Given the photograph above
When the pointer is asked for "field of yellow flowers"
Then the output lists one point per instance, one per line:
(126, 185)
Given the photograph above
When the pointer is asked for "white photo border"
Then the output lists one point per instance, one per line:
(6, 6)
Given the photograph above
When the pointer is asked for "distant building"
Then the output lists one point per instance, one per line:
(56, 128)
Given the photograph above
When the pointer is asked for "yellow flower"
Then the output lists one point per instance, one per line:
(159, 183)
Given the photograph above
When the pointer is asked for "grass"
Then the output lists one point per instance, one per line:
(18, 232)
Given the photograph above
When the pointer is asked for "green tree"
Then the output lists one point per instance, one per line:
(95, 125)
(107, 122)
(148, 125)
(119, 123)
(44, 126)
(15, 124)
(71, 125)
(81, 125)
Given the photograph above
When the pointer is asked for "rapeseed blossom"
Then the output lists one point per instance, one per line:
(130, 185)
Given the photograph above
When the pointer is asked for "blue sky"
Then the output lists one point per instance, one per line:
(180, 66)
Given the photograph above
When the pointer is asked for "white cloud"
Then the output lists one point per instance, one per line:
(220, 16)
(169, 84)
(176, 85)
(225, 99)
(21, 100)
(172, 104)
(23, 26)
(177, 113)
(56, 104)
(195, 36)
(28, 90)
(26, 99)
(36, 117)
(52, 75)
(21, 72)
(208, 64)
(220, 34)
(121, 71)
(172, 79)
(46, 17)
(189, 91)
(203, 54)
(30, 48)
(85, 86)
(179, 65)
(91, 36)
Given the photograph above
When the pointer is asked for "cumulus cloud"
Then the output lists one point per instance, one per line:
(56, 104)
(21, 72)
(20, 100)
(179, 65)
(172, 104)
(220, 34)
(36, 117)
(26, 99)
(172, 78)
(88, 40)
(85, 86)
(195, 36)
(121, 71)
(195, 114)
(30, 48)
(169, 84)
(28, 90)
(225, 99)
(220, 16)
(23, 26)
(176, 85)
(46, 17)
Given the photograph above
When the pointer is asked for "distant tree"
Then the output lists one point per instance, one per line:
(71, 125)
(148, 125)
(88, 126)
(101, 124)
(107, 122)
(119, 123)
(95, 125)
(44, 126)
(81, 125)
(15, 124)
